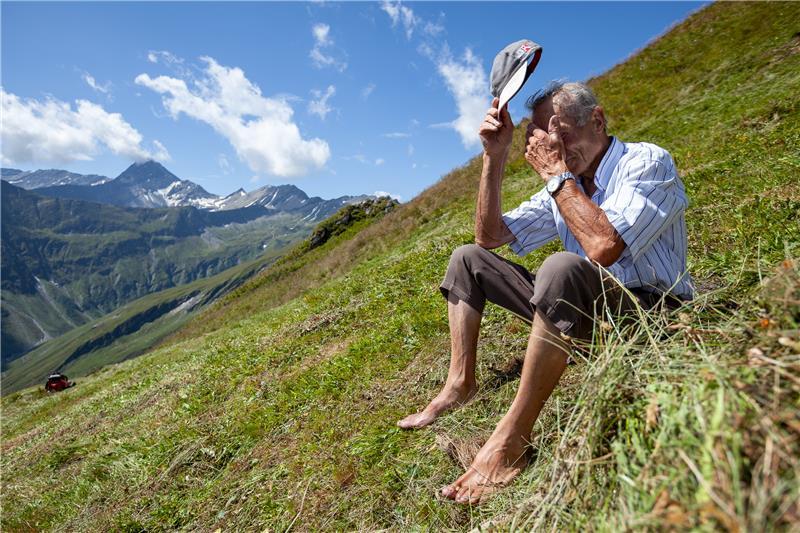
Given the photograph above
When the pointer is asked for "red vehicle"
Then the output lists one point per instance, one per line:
(58, 382)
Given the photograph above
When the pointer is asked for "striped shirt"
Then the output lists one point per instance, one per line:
(639, 189)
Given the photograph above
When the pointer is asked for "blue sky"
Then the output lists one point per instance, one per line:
(337, 98)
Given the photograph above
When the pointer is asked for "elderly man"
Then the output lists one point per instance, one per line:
(618, 209)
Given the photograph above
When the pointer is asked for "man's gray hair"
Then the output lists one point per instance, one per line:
(576, 99)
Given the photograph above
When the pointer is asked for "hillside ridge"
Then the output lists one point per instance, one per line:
(68, 260)
(135, 327)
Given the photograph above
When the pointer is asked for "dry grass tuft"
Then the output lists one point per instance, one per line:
(461, 450)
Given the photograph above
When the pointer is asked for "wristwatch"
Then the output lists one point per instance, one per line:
(555, 183)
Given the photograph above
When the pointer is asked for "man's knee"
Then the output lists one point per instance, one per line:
(466, 256)
(558, 276)
(562, 292)
(459, 281)
(466, 252)
(558, 267)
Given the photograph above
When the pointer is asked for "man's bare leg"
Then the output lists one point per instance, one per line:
(465, 323)
(503, 455)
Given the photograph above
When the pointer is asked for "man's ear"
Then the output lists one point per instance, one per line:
(598, 120)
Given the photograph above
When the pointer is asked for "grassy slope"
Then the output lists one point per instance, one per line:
(33, 367)
(277, 408)
(143, 251)
(68, 353)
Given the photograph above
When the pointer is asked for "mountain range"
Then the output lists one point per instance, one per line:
(150, 184)
(77, 247)
(35, 179)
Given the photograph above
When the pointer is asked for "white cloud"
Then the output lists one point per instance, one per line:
(160, 153)
(384, 193)
(156, 56)
(426, 49)
(401, 15)
(224, 164)
(320, 106)
(467, 82)
(54, 131)
(393, 10)
(361, 158)
(366, 91)
(396, 135)
(432, 29)
(255, 179)
(321, 60)
(464, 78)
(321, 34)
(410, 150)
(171, 61)
(320, 55)
(260, 129)
(91, 82)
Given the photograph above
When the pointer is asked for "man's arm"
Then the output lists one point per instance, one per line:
(587, 222)
(496, 134)
(490, 230)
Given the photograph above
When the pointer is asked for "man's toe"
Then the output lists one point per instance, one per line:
(465, 494)
(449, 491)
(409, 422)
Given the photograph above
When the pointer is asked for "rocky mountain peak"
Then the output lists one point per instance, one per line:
(237, 192)
(9, 172)
(149, 174)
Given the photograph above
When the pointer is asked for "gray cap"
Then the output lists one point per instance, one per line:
(512, 67)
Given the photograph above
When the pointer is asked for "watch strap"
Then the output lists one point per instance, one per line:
(558, 182)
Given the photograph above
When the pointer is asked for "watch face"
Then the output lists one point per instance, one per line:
(552, 184)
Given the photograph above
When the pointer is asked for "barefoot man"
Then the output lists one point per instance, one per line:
(618, 209)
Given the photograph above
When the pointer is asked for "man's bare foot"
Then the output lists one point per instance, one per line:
(448, 398)
(496, 464)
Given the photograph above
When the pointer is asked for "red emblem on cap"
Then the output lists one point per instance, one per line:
(524, 49)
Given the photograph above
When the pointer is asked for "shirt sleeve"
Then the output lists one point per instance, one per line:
(649, 198)
(532, 223)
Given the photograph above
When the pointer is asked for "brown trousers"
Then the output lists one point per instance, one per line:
(571, 291)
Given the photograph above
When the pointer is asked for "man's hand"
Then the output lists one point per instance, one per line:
(545, 150)
(496, 131)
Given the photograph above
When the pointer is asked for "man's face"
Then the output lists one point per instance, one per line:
(583, 144)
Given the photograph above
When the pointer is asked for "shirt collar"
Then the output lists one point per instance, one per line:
(609, 162)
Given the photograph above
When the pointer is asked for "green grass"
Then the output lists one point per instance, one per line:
(276, 408)
(140, 325)
(116, 336)
(68, 262)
